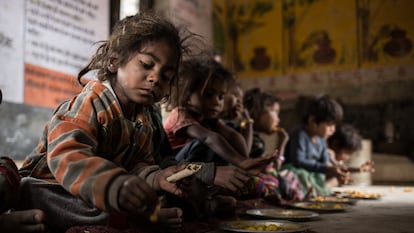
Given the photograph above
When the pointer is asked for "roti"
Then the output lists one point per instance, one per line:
(189, 170)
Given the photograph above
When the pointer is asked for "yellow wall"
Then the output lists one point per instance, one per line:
(352, 49)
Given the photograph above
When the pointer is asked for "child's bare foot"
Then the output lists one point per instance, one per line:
(171, 218)
(22, 221)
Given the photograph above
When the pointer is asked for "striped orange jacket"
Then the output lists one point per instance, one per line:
(88, 146)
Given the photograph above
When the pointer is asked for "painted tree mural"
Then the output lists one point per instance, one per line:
(237, 18)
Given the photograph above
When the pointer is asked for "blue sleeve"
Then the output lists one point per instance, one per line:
(301, 155)
(325, 154)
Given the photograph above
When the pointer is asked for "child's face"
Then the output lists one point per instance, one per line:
(210, 103)
(145, 78)
(324, 129)
(269, 119)
(343, 155)
(233, 102)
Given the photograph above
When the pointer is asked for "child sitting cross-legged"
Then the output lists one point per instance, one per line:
(272, 183)
(307, 153)
(96, 161)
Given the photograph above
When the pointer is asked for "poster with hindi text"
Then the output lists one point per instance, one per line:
(60, 38)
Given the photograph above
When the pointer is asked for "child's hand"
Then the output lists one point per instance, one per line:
(161, 183)
(283, 136)
(279, 159)
(241, 112)
(255, 165)
(136, 196)
(336, 171)
(367, 167)
(345, 179)
(231, 178)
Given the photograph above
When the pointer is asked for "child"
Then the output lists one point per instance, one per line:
(196, 113)
(196, 132)
(264, 110)
(15, 221)
(306, 152)
(95, 163)
(235, 115)
(341, 145)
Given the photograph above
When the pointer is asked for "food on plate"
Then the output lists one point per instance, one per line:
(408, 190)
(361, 194)
(322, 206)
(317, 206)
(283, 214)
(263, 227)
(189, 170)
(330, 199)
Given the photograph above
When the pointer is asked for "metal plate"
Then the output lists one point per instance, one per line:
(254, 226)
(333, 199)
(321, 207)
(355, 194)
(293, 215)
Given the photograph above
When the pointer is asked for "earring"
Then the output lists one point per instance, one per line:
(112, 68)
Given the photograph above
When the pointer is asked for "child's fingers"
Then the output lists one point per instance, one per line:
(136, 195)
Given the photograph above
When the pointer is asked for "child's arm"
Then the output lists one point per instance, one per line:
(365, 167)
(246, 129)
(237, 140)
(215, 142)
(301, 156)
(283, 138)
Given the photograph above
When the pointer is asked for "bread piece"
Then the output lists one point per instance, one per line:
(189, 170)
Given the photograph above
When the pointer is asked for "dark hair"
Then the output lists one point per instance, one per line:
(346, 137)
(324, 109)
(195, 74)
(255, 101)
(127, 38)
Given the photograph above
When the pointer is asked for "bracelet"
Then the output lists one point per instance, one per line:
(246, 122)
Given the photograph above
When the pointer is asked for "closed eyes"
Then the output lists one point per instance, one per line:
(147, 65)
(166, 75)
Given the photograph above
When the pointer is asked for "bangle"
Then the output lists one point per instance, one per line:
(281, 158)
(246, 122)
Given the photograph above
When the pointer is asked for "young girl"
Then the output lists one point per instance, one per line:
(196, 113)
(264, 110)
(95, 163)
(306, 152)
(235, 115)
(196, 132)
(341, 145)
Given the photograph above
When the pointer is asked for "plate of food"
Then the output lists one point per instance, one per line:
(333, 199)
(355, 194)
(286, 214)
(321, 206)
(259, 226)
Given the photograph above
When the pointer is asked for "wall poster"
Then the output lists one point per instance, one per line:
(44, 44)
(59, 40)
(11, 50)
